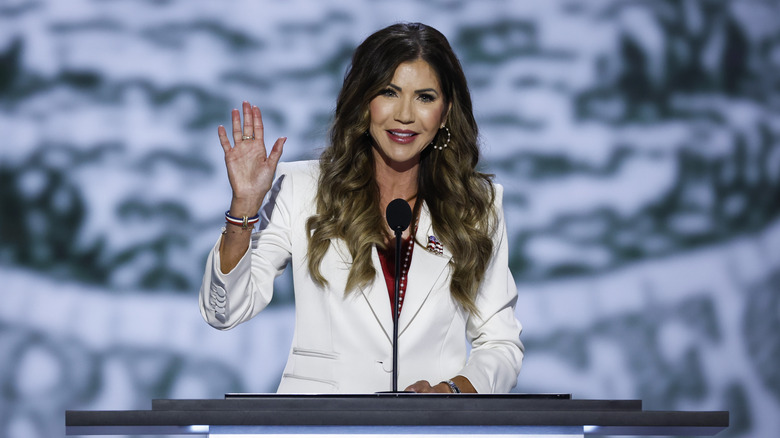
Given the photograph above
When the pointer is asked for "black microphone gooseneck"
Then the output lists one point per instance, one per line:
(399, 216)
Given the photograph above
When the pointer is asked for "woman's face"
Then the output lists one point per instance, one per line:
(407, 114)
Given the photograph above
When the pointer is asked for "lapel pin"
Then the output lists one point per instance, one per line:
(434, 245)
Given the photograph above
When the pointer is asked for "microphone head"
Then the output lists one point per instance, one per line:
(398, 214)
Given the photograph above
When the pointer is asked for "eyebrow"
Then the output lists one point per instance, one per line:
(424, 90)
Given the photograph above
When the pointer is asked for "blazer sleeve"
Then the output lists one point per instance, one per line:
(228, 299)
(496, 349)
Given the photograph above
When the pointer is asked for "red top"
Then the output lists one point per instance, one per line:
(387, 260)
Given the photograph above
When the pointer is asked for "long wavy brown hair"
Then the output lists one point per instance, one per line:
(459, 198)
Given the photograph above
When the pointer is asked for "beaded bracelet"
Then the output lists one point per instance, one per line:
(453, 387)
(243, 222)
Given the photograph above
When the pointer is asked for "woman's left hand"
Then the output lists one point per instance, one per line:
(423, 386)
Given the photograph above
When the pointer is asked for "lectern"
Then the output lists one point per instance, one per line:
(377, 415)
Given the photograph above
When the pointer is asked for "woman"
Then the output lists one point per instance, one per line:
(403, 128)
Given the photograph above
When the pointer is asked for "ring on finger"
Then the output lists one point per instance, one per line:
(248, 137)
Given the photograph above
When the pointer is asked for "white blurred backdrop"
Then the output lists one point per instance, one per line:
(638, 141)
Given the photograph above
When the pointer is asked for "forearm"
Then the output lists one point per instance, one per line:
(229, 298)
(235, 238)
(226, 300)
(235, 241)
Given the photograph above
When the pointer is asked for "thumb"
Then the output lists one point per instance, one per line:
(276, 150)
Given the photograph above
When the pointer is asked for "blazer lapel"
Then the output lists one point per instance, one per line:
(375, 293)
(426, 270)
(377, 298)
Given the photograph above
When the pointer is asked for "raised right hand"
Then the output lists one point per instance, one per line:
(250, 170)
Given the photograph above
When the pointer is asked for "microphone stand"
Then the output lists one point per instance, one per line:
(396, 305)
(399, 216)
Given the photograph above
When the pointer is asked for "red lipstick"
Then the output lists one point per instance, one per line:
(402, 136)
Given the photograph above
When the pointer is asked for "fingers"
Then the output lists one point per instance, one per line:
(248, 120)
(251, 126)
(247, 130)
(257, 127)
(223, 138)
(235, 117)
(276, 151)
(421, 386)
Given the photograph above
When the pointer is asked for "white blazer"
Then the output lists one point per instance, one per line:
(343, 342)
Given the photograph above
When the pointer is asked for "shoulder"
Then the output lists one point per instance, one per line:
(496, 219)
(293, 189)
(499, 189)
(301, 174)
(303, 169)
(497, 192)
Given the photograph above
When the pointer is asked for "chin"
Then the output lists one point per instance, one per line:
(404, 157)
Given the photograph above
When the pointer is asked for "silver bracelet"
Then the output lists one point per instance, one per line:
(453, 387)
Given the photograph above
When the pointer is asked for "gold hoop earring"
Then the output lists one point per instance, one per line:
(446, 143)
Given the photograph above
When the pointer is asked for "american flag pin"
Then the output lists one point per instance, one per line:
(434, 245)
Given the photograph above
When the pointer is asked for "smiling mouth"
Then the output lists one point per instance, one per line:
(404, 134)
(401, 137)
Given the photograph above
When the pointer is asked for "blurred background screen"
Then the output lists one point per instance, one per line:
(638, 142)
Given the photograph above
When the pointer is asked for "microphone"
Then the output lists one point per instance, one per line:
(399, 216)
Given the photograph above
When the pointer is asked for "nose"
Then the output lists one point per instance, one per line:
(404, 112)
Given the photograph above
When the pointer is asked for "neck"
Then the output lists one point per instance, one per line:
(396, 181)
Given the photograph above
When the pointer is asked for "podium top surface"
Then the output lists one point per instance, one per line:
(401, 402)
(618, 417)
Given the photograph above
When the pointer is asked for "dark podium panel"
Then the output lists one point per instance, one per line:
(543, 415)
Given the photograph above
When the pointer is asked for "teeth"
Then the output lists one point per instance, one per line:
(402, 134)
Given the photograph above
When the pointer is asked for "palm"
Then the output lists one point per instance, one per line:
(250, 168)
